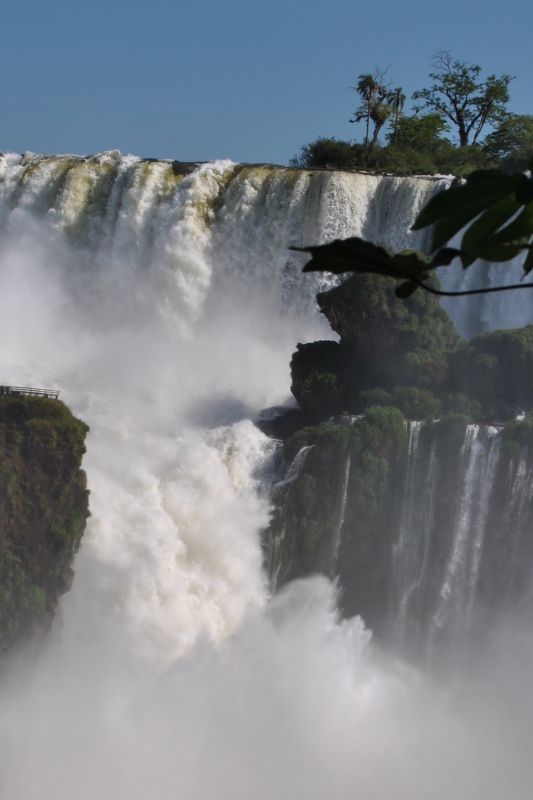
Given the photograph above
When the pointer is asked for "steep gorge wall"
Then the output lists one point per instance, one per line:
(399, 477)
(426, 526)
(43, 511)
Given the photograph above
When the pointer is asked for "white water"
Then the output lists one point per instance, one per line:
(411, 549)
(475, 482)
(166, 311)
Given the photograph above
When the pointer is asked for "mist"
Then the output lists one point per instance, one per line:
(169, 670)
(295, 703)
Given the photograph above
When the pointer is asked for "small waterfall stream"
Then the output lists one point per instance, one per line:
(447, 545)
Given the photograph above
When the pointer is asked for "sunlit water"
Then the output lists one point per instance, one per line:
(165, 309)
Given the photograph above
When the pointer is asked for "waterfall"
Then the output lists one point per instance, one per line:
(428, 538)
(163, 302)
(274, 560)
(410, 551)
(453, 519)
(475, 484)
(473, 315)
(342, 513)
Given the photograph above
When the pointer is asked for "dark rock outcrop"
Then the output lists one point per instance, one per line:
(407, 353)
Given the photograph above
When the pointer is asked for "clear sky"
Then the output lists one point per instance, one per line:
(251, 81)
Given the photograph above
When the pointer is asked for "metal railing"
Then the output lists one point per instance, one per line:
(50, 394)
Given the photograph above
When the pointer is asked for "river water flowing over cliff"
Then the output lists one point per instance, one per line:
(164, 304)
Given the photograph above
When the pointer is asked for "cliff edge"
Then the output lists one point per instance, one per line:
(43, 511)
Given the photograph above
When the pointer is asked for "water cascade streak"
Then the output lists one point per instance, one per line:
(460, 575)
(274, 563)
(410, 553)
(342, 513)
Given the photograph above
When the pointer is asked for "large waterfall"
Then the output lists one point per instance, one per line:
(162, 300)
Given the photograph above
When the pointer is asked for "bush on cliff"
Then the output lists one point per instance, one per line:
(496, 370)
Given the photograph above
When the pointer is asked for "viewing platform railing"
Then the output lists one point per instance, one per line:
(50, 394)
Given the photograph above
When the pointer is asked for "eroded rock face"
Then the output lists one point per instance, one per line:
(388, 345)
(394, 341)
(392, 482)
(43, 511)
(426, 527)
(407, 354)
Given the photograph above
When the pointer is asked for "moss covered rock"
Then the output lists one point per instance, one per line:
(337, 470)
(391, 341)
(496, 370)
(407, 353)
(43, 510)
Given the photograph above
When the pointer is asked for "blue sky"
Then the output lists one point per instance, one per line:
(241, 80)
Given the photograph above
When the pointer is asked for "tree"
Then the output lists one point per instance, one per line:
(377, 104)
(367, 88)
(459, 95)
(512, 140)
(419, 132)
(326, 152)
(397, 100)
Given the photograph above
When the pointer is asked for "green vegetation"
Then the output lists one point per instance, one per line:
(328, 153)
(401, 158)
(458, 105)
(496, 370)
(511, 143)
(361, 460)
(458, 95)
(395, 350)
(378, 104)
(43, 510)
(407, 354)
(519, 433)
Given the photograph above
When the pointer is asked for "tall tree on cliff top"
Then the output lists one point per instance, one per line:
(458, 94)
(397, 101)
(376, 106)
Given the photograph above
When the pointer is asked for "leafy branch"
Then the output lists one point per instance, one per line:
(493, 209)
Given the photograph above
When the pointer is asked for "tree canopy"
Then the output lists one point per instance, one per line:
(459, 95)
(512, 141)
(378, 103)
(420, 132)
(423, 142)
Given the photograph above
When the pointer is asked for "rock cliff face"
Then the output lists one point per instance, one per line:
(43, 511)
(399, 478)
(408, 354)
(425, 526)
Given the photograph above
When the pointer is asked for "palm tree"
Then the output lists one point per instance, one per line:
(379, 113)
(396, 100)
(368, 88)
(377, 103)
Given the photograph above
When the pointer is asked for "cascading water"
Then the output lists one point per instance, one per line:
(479, 457)
(165, 307)
(428, 542)
(410, 552)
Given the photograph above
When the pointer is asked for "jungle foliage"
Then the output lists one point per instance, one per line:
(444, 134)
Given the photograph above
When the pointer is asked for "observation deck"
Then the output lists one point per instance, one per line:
(29, 391)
